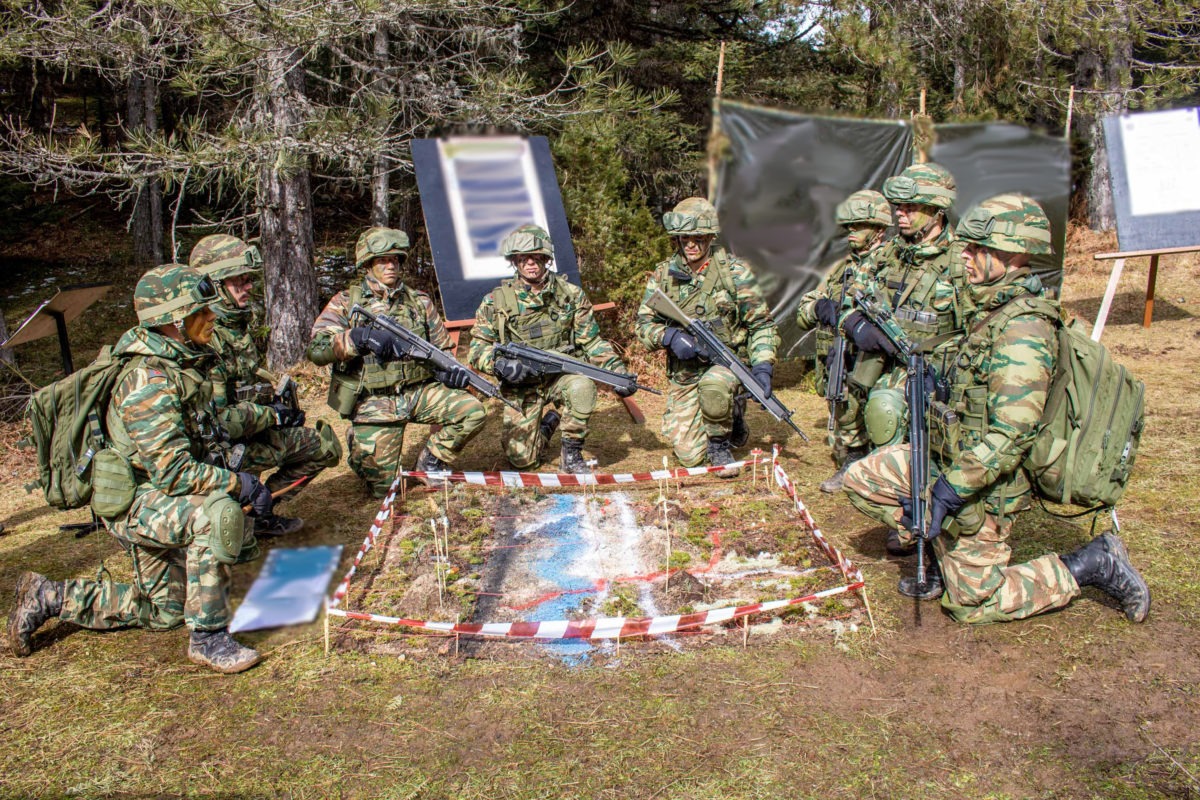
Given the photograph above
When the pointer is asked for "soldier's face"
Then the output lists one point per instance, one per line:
(386, 270)
(531, 267)
(198, 326)
(695, 248)
(861, 236)
(984, 265)
(911, 218)
(238, 288)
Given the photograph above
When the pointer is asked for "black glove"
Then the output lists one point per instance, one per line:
(763, 373)
(288, 417)
(252, 492)
(867, 337)
(456, 377)
(827, 312)
(512, 370)
(683, 345)
(625, 391)
(386, 345)
(944, 502)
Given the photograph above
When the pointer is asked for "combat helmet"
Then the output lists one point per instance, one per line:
(378, 241)
(222, 256)
(1012, 223)
(170, 293)
(926, 184)
(693, 216)
(525, 240)
(864, 206)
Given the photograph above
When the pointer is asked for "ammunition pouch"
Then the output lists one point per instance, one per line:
(867, 370)
(968, 521)
(113, 484)
(918, 324)
(262, 394)
(228, 523)
(945, 432)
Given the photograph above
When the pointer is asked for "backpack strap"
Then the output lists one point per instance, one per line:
(505, 298)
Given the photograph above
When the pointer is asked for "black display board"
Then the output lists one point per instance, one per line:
(474, 191)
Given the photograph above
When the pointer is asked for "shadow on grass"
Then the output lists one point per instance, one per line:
(1128, 308)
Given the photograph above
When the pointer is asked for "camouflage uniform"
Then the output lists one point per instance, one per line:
(381, 399)
(999, 383)
(242, 389)
(856, 271)
(923, 282)
(724, 292)
(559, 318)
(161, 418)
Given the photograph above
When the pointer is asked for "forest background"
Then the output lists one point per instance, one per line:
(289, 121)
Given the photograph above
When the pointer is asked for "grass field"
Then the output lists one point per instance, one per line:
(1067, 705)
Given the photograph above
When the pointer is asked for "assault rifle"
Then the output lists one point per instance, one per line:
(545, 362)
(719, 353)
(422, 350)
(918, 431)
(835, 386)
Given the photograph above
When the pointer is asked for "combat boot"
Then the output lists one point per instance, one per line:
(1104, 563)
(275, 525)
(428, 462)
(720, 453)
(221, 652)
(571, 462)
(741, 431)
(549, 424)
(37, 601)
(895, 547)
(933, 583)
(833, 483)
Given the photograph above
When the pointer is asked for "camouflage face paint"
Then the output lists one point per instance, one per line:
(198, 326)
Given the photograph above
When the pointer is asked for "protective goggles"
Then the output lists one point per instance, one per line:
(979, 224)
(202, 294)
(249, 260)
(383, 242)
(901, 188)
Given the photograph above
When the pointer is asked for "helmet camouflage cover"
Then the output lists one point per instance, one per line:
(925, 184)
(1012, 223)
(376, 242)
(693, 216)
(864, 206)
(168, 294)
(525, 240)
(222, 256)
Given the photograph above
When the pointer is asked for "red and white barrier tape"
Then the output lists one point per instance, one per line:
(566, 479)
(605, 627)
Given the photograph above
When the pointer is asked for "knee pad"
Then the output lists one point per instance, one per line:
(331, 448)
(716, 400)
(885, 416)
(228, 527)
(579, 396)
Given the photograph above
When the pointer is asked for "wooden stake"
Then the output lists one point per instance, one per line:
(867, 603)
(1070, 113)
(437, 561)
(921, 106)
(327, 627)
(745, 630)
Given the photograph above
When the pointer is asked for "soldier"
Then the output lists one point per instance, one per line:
(185, 526)
(865, 215)
(702, 417)
(541, 309)
(999, 385)
(374, 383)
(243, 390)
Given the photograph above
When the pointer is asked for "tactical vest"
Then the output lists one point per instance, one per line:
(366, 376)
(962, 422)
(547, 327)
(200, 424)
(715, 302)
(910, 286)
(245, 379)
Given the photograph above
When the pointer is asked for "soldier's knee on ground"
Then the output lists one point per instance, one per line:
(884, 417)
(227, 527)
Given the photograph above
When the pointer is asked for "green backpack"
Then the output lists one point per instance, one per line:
(68, 432)
(1088, 436)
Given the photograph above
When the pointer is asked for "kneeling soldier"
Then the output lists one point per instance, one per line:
(1000, 381)
(185, 525)
(375, 385)
(242, 389)
(541, 309)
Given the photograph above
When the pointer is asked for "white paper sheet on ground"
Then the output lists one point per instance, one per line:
(289, 590)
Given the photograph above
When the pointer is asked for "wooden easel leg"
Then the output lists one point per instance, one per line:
(1150, 281)
(1102, 316)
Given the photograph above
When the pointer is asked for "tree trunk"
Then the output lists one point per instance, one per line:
(380, 179)
(6, 353)
(285, 212)
(1103, 69)
(146, 222)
